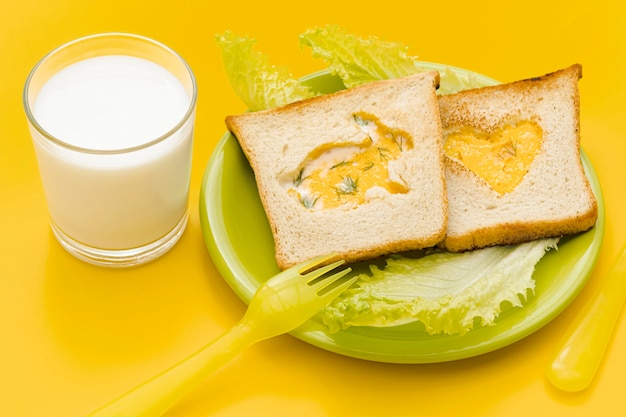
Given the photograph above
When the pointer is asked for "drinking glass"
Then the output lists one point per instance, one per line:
(111, 118)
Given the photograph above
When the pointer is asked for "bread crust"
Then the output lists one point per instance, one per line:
(277, 141)
(554, 198)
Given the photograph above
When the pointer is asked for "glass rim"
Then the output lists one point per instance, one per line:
(184, 119)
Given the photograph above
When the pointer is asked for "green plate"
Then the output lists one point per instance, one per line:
(240, 242)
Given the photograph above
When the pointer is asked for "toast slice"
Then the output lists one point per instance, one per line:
(539, 188)
(358, 172)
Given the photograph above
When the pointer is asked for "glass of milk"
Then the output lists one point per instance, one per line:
(111, 118)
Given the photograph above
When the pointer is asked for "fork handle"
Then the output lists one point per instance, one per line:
(587, 338)
(156, 395)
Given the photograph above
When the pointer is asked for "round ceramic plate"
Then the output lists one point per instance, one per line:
(240, 242)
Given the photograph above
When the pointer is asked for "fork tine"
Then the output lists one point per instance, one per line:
(333, 292)
(312, 275)
(311, 264)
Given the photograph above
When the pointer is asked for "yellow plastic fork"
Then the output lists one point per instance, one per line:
(280, 305)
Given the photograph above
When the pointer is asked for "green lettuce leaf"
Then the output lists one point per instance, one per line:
(357, 61)
(451, 81)
(262, 85)
(259, 84)
(445, 291)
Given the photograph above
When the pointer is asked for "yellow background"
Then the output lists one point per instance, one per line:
(72, 335)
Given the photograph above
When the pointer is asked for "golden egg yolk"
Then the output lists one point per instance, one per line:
(501, 157)
(336, 175)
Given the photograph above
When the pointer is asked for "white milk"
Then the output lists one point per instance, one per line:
(114, 200)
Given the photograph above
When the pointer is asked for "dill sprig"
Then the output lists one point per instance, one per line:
(340, 164)
(369, 166)
(308, 201)
(300, 178)
(384, 153)
(398, 140)
(359, 120)
(510, 149)
(347, 186)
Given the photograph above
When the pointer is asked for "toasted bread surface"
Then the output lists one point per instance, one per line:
(279, 142)
(554, 197)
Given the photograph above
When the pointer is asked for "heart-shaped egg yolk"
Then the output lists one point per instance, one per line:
(501, 157)
(336, 175)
